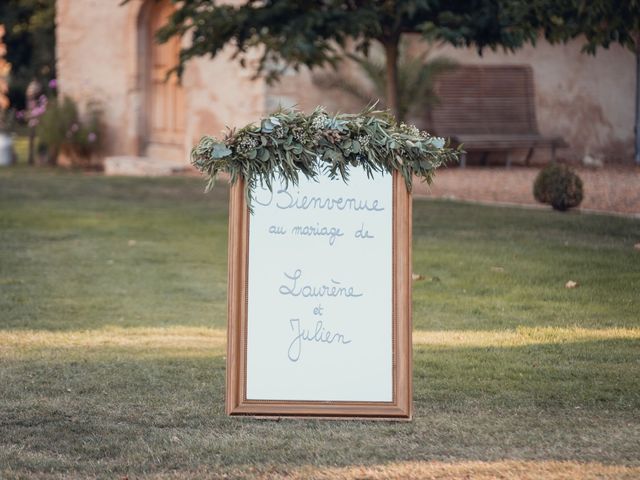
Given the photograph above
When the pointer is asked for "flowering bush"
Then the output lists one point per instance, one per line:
(32, 116)
(61, 129)
(37, 102)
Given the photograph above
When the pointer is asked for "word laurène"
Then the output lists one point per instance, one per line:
(285, 200)
(297, 289)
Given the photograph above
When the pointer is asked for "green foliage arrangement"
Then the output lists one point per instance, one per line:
(289, 142)
(558, 186)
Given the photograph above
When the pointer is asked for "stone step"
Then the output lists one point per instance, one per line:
(143, 166)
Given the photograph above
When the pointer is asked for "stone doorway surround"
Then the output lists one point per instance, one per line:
(147, 136)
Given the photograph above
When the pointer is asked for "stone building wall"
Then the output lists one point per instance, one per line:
(101, 57)
(585, 99)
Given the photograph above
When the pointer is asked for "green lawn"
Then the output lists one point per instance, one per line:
(112, 317)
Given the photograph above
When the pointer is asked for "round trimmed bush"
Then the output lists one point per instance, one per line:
(559, 186)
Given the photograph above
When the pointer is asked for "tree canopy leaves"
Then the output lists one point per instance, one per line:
(601, 22)
(293, 34)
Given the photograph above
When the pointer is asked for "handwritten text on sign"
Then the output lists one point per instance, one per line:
(320, 291)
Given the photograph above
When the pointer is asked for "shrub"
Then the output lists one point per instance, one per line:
(558, 186)
(61, 129)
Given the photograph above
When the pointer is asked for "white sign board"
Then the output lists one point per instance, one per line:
(320, 291)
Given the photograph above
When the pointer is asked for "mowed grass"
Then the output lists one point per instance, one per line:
(112, 343)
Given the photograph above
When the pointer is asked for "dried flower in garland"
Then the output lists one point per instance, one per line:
(288, 143)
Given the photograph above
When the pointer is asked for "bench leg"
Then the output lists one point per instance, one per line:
(463, 160)
(553, 154)
(527, 159)
(509, 159)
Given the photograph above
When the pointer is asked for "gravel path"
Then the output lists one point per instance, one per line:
(615, 190)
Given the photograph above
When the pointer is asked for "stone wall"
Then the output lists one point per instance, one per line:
(588, 100)
(101, 53)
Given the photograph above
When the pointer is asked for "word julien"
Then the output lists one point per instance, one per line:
(319, 335)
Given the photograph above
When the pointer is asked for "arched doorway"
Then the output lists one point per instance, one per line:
(164, 125)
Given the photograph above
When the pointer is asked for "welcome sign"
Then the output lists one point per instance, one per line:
(320, 261)
(319, 298)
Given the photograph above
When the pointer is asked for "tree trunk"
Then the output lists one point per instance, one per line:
(637, 125)
(31, 153)
(391, 55)
(53, 156)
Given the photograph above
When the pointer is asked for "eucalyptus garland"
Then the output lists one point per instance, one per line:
(289, 142)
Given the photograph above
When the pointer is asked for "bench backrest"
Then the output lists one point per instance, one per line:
(492, 99)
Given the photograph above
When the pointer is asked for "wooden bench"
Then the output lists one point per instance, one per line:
(490, 109)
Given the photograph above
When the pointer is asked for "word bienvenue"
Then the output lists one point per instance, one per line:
(284, 200)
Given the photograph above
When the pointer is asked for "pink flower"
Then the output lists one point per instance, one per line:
(20, 114)
(74, 127)
(42, 99)
(37, 110)
(53, 84)
(91, 137)
(33, 122)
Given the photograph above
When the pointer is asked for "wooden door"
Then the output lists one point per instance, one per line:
(165, 112)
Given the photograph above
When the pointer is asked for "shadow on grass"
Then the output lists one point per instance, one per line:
(121, 410)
